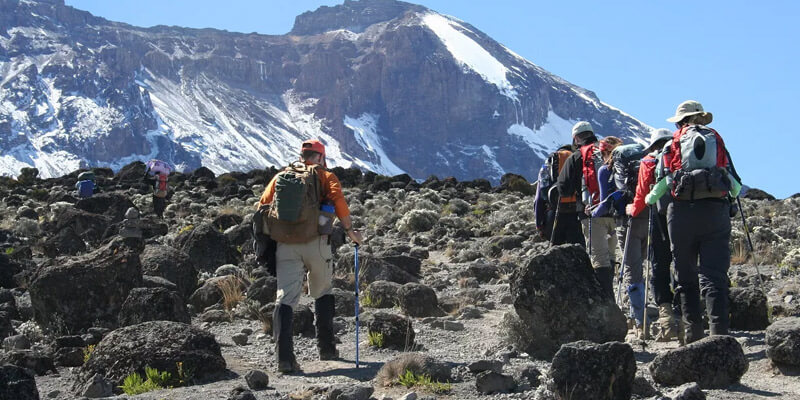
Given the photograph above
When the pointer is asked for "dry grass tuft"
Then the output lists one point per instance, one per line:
(232, 293)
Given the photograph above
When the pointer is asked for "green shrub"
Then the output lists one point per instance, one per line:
(156, 380)
(410, 379)
(87, 353)
(376, 339)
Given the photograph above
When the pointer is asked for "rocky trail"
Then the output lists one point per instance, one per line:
(455, 285)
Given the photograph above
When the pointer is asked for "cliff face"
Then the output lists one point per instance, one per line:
(388, 86)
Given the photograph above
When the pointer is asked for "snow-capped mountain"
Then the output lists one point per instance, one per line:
(388, 86)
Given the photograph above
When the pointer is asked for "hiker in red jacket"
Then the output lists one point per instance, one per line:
(660, 279)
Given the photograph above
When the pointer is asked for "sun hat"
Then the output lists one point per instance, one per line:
(656, 136)
(687, 108)
(581, 126)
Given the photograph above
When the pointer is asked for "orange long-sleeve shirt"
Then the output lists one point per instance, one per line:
(331, 191)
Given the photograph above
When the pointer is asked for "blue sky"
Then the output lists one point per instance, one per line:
(739, 58)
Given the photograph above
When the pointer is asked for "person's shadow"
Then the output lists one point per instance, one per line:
(365, 372)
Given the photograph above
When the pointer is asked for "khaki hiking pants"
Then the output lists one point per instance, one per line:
(314, 259)
(604, 241)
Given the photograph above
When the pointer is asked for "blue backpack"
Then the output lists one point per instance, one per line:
(85, 189)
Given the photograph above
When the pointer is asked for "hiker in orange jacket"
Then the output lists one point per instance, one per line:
(312, 257)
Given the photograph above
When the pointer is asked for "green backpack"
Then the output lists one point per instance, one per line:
(294, 213)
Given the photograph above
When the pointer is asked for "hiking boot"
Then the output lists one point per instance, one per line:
(666, 321)
(282, 331)
(325, 308)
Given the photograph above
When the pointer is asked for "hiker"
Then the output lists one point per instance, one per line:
(660, 278)
(86, 186)
(632, 233)
(698, 219)
(159, 171)
(302, 201)
(556, 216)
(579, 174)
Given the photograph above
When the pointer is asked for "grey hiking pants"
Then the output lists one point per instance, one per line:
(635, 252)
(311, 259)
(700, 231)
(603, 241)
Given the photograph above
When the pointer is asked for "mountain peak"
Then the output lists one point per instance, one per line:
(353, 15)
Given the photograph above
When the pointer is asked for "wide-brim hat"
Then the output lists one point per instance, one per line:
(657, 136)
(687, 108)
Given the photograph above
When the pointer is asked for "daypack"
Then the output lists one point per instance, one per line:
(294, 213)
(160, 189)
(546, 198)
(699, 167)
(85, 189)
(625, 161)
(592, 161)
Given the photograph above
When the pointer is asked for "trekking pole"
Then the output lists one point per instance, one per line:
(627, 224)
(555, 223)
(650, 224)
(590, 236)
(357, 321)
(750, 243)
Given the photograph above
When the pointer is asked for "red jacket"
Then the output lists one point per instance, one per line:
(647, 178)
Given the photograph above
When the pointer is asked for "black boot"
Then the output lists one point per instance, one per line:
(606, 278)
(324, 308)
(692, 315)
(282, 332)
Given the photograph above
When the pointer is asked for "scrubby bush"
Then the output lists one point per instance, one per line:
(417, 221)
(27, 227)
(458, 207)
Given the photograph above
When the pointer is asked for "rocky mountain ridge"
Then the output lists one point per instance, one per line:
(388, 86)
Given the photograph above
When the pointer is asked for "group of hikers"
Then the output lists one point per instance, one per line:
(668, 201)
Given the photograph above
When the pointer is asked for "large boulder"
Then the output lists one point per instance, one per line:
(263, 290)
(156, 344)
(587, 370)
(76, 294)
(8, 268)
(395, 331)
(715, 362)
(38, 362)
(373, 269)
(418, 300)
(783, 341)
(207, 247)
(87, 225)
(748, 308)
(64, 242)
(558, 298)
(18, 384)
(171, 264)
(381, 294)
(112, 205)
(153, 304)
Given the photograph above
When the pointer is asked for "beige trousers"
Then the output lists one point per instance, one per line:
(604, 241)
(314, 259)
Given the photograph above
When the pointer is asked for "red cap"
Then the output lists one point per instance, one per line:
(313, 145)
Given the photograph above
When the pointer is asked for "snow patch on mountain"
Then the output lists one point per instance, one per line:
(492, 160)
(549, 137)
(471, 55)
(365, 129)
